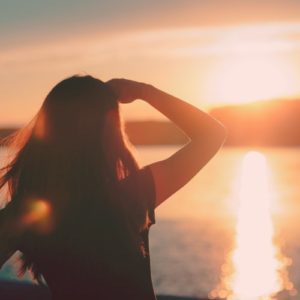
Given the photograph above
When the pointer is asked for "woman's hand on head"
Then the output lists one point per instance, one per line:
(127, 90)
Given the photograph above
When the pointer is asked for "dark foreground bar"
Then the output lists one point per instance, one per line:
(177, 298)
(11, 290)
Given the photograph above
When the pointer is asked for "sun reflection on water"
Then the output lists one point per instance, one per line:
(255, 269)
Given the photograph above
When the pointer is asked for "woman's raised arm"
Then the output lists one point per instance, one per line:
(205, 133)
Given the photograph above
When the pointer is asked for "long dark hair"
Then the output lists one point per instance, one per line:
(67, 163)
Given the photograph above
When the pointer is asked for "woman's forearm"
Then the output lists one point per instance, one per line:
(195, 123)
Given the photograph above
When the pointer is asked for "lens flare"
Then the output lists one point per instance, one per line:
(38, 215)
(255, 270)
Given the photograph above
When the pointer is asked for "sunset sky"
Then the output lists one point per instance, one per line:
(208, 52)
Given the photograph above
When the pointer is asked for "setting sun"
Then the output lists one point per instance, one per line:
(252, 68)
(246, 79)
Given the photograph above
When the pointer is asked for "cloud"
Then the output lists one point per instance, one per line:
(167, 43)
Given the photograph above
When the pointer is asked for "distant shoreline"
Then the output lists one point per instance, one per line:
(162, 133)
(273, 123)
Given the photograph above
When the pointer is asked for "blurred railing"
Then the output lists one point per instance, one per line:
(12, 290)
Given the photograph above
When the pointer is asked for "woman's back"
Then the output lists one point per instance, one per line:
(88, 257)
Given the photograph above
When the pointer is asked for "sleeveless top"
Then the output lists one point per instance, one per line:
(70, 277)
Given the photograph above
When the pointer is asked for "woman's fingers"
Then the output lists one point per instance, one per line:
(126, 90)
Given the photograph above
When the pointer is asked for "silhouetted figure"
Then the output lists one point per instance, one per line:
(78, 206)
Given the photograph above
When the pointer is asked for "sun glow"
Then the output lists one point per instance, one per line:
(252, 68)
(242, 80)
(255, 270)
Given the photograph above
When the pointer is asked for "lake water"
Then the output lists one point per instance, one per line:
(231, 230)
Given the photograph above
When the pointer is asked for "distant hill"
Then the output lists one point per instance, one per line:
(266, 123)
(154, 133)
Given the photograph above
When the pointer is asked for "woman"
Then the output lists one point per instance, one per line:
(79, 208)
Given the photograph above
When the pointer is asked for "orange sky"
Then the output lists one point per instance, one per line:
(207, 52)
